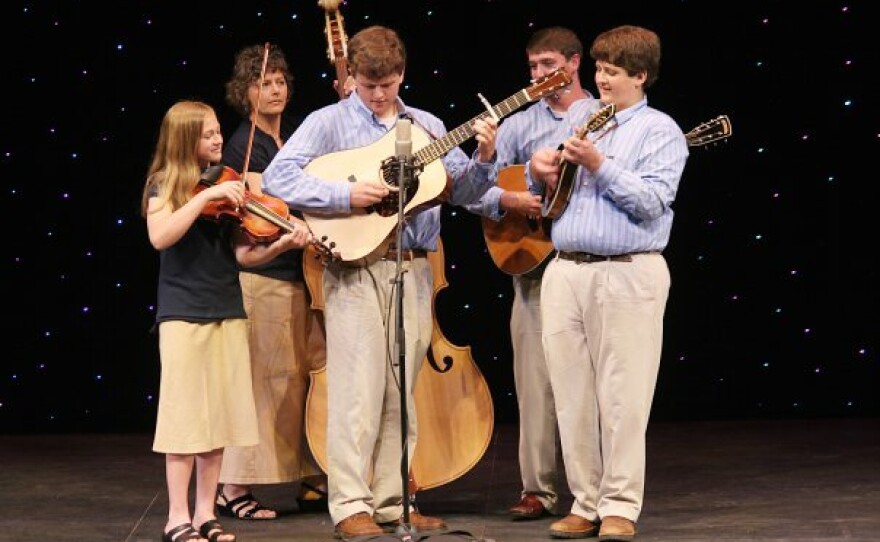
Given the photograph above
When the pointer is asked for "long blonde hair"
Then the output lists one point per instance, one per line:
(174, 170)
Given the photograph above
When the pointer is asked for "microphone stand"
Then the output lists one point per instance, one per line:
(404, 530)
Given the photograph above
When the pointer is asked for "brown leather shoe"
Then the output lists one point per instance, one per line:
(573, 526)
(617, 529)
(359, 524)
(419, 522)
(529, 507)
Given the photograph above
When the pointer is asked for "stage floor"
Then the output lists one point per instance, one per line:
(779, 481)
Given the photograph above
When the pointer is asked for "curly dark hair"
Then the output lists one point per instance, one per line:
(246, 71)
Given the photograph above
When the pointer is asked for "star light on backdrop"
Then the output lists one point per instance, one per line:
(773, 283)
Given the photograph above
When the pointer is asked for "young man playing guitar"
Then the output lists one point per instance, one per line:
(364, 453)
(518, 137)
(604, 294)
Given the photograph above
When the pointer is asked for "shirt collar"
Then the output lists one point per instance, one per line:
(623, 116)
(367, 113)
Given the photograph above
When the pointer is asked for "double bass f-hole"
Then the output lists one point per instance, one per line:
(447, 360)
(453, 407)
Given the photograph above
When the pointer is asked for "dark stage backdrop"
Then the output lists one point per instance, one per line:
(771, 311)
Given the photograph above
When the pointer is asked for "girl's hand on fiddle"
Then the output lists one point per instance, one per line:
(300, 237)
(231, 191)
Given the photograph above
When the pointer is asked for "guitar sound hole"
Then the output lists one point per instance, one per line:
(389, 204)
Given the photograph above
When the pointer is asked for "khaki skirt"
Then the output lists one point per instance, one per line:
(206, 396)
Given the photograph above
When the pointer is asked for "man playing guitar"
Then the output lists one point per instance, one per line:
(363, 430)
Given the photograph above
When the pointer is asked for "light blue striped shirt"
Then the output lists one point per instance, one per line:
(518, 137)
(626, 206)
(348, 124)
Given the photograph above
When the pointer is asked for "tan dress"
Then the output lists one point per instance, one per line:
(206, 401)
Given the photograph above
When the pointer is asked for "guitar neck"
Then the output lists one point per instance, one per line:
(441, 146)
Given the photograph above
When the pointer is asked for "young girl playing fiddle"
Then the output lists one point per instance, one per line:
(205, 398)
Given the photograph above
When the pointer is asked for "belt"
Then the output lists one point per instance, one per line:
(389, 255)
(586, 257)
(405, 255)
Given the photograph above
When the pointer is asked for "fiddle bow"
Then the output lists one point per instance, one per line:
(264, 216)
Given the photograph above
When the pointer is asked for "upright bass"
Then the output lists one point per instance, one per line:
(453, 405)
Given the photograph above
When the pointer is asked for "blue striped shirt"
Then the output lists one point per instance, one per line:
(626, 206)
(518, 137)
(348, 124)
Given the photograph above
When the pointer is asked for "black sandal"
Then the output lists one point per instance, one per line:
(244, 507)
(181, 533)
(212, 530)
(312, 505)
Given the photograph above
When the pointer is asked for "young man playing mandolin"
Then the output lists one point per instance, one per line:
(604, 294)
(364, 453)
(518, 137)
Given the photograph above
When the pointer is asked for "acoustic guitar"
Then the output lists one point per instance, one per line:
(519, 245)
(362, 234)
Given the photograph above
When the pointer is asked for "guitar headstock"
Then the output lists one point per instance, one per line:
(551, 82)
(709, 132)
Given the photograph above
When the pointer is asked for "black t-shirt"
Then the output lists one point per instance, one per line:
(288, 265)
(198, 275)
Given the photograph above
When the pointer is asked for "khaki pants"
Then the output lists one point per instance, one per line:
(285, 341)
(603, 335)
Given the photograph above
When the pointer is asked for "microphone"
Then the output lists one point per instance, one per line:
(403, 141)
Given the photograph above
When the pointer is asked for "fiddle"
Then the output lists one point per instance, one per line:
(263, 217)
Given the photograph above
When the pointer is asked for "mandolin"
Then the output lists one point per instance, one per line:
(518, 245)
(555, 201)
